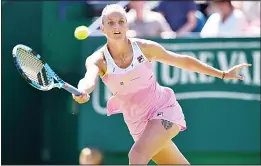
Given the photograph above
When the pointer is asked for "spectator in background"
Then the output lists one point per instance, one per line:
(94, 8)
(209, 10)
(181, 15)
(251, 9)
(226, 22)
(146, 23)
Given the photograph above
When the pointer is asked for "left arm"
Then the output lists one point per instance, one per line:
(154, 51)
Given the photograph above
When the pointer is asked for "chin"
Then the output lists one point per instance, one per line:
(119, 38)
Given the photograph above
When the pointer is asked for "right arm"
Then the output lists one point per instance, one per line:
(87, 84)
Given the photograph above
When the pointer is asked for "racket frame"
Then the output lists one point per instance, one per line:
(60, 83)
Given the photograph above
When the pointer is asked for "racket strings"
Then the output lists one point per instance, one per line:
(33, 67)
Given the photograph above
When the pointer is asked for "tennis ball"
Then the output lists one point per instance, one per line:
(81, 32)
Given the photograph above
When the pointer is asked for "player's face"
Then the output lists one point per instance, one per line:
(115, 26)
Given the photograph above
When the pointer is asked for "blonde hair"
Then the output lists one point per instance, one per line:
(110, 8)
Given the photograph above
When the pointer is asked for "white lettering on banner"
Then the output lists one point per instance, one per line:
(210, 46)
(171, 76)
(244, 71)
(256, 67)
(165, 75)
(208, 58)
(236, 58)
(188, 77)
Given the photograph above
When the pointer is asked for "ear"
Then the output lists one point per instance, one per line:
(102, 28)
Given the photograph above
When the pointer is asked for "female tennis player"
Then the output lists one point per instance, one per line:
(151, 111)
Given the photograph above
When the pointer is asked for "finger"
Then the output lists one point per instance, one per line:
(85, 95)
(78, 98)
(83, 100)
(239, 77)
(243, 65)
(86, 98)
(75, 97)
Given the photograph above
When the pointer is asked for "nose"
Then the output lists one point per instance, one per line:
(116, 26)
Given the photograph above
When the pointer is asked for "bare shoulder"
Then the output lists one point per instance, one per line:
(144, 42)
(148, 47)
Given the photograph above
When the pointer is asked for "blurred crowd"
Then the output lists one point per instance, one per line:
(170, 19)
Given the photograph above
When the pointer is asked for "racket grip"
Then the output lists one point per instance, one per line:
(72, 89)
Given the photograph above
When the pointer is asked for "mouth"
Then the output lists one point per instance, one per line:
(117, 33)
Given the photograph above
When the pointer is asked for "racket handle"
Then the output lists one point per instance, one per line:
(72, 89)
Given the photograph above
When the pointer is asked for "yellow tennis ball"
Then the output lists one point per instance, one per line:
(81, 32)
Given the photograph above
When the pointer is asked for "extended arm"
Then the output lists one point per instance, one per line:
(155, 51)
(87, 83)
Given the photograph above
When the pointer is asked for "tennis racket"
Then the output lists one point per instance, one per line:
(37, 72)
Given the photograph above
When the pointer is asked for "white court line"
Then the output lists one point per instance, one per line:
(211, 45)
(218, 94)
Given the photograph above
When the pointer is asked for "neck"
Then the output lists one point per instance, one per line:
(139, 13)
(118, 48)
(226, 12)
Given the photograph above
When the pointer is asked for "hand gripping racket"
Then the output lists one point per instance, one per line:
(37, 72)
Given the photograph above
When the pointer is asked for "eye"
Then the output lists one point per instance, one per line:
(121, 21)
(110, 22)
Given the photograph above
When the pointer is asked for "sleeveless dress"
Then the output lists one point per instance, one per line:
(137, 94)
